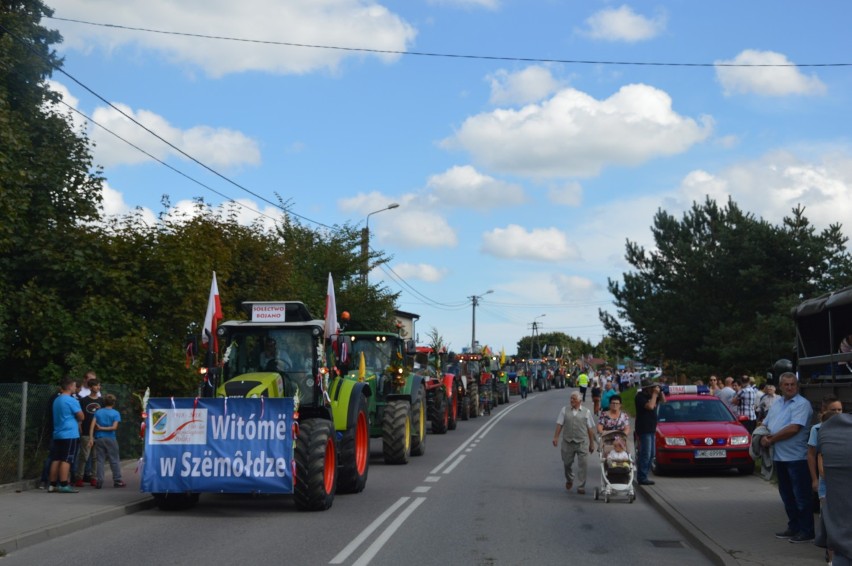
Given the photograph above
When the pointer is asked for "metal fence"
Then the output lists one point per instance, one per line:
(24, 441)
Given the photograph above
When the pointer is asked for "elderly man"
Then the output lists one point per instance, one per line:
(788, 421)
(577, 428)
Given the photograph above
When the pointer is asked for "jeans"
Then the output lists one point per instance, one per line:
(794, 485)
(646, 454)
(106, 450)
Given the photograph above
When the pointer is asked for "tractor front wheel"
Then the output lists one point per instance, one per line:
(355, 452)
(396, 432)
(316, 465)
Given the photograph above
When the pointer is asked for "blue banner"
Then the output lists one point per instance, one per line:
(222, 445)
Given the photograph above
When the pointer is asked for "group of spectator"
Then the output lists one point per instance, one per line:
(82, 425)
(743, 398)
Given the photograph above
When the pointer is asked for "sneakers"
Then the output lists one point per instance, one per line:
(66, 489)
(120, 483)
(51, 489)
(78, 483)
(646, 482)
(94, 482)
(788, 534)
(581, 491)
(569, 485)
(801, 537)
(98, 484)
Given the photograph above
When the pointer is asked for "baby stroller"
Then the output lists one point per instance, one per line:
(616, 477)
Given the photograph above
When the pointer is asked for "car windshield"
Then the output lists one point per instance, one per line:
(693, 410)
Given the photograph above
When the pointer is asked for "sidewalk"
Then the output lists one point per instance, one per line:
(29, 515)
(732, 519)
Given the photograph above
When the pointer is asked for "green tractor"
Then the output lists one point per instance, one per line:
(280, 352)
(397, 404)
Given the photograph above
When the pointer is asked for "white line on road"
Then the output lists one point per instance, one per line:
(464, 444)
(377, 545)
(357, 541)
(452, 467)
(421, 489)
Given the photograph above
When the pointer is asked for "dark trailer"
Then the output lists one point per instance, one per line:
(821, 325)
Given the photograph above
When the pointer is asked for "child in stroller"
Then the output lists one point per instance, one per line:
(616, 466)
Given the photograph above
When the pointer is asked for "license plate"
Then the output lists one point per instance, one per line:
(710, 454)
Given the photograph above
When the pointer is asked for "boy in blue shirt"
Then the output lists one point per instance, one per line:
(102, 436)
(67, 417)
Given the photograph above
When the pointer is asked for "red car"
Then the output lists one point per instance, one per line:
(699, 432)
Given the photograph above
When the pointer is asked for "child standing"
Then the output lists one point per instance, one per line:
(102, 435)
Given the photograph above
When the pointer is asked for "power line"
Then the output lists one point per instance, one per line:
(446, 55)
(163, 163)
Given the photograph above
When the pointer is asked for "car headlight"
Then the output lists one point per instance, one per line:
(675, 441)
(739, 440)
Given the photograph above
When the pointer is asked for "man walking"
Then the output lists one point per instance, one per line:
(577, 429)
(583, 384)
(647, 399)
(788, 422)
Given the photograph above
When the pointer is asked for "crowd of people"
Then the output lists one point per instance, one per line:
(81, 423)
(781, 424)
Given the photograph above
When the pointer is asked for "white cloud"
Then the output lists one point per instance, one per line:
(421, 271)
(540, 244)
(528, 85)
(217, 147)
(338, 23)
(573, 134)
(78, 123)
(765, 81)
(113, 204)
(412, 225)
(774, 184)
(465, 186)
(574, 287)
(623, 24)
(490, 4)
(570, 194)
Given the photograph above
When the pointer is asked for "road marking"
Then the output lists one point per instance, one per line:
(454, 464)
(377, 545)
(474, 436)
(421, 489)
(357, 541)
(432, 479)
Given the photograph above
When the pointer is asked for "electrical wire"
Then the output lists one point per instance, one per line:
(445, 55)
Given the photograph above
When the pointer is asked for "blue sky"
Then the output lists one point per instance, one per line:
(516, 170)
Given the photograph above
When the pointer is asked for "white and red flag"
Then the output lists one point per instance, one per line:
(331, 326)
(214, 314)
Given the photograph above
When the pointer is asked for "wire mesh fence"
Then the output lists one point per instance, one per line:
(24, 438)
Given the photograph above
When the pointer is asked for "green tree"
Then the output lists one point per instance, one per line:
(716, 292)
(47, 193)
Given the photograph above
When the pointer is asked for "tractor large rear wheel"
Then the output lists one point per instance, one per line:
(453, 412)
(473, 395)
(439, 412)
(355, 452)
(396, 432)
(418, 424)
(316, 465)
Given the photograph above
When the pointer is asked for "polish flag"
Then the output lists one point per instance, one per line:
(214, 314)
(331, 326)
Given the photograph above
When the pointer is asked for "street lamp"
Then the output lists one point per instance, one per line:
(474, 300)
(365, 242)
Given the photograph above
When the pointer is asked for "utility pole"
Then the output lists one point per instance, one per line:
(365, 242)
(474, 300)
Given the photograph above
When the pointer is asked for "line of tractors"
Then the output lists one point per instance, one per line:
(356, 386)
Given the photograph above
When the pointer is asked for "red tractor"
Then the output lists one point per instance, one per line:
(442, 399)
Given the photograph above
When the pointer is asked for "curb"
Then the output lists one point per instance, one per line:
(689, 530)
(44, 534)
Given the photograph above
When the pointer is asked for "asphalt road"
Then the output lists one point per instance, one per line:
(489, 493)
